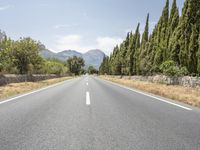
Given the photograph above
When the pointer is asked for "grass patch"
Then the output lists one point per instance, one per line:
(186, 95)
(19, 88)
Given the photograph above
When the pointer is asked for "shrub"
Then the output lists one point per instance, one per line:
(170, 68)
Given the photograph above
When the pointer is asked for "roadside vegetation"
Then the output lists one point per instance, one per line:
(75, 65)
(173, 48)
(22, 57)
(92, 70)
(186, 95)
(19, 88)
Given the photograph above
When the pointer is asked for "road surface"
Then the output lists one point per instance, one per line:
(88, 113)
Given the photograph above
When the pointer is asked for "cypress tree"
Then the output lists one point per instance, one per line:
(153, 47)
(160, 44)
(164, 31)
(175, 48)
(144, 47)
(174, 38)
(190, 16)
(163, 24)
(125, 47)
(174, 17)
(111, 62)
(122, 58)
(136, 54)
(104, 68)
(115, 63)
(145, 35)
(130, 51)
(173, 23)
(193, 48)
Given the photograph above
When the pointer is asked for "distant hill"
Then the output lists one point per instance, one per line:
(92, 57)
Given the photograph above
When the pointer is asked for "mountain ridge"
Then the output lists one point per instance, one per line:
(92, 57)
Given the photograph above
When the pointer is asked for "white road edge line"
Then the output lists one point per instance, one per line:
(87, 98)
(39, 90)
(160, 99)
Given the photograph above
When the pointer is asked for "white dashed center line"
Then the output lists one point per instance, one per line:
(87, 98)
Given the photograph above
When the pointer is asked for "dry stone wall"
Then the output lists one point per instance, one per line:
(186, 81)
(11, 78)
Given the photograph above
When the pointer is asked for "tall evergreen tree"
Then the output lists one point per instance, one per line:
(173, 23)
(129, 58)
(175, 40)
(144, 47)
(104, 68)
(193, 48)
(190, 16)
(160, 47)
(124, 49)
(164, 31)
(136, 53)
(174, 17)
(145, 35)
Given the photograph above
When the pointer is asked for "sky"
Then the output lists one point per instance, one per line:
(77, 24)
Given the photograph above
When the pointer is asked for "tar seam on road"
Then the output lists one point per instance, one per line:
(33, 92)
(160, 99)
(87, 98)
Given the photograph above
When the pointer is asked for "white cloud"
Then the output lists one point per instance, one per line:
(68, 42)
(73, 42)
(77, 42)
(58, 26)
(5, 7)
(108, 43)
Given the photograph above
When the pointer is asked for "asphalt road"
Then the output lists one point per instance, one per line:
(92, 114)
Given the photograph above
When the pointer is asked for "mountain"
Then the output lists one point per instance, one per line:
(92, 57)
(45, 53)
(64, 55)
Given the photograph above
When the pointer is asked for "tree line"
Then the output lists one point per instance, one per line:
(23, 57)
(173, 47)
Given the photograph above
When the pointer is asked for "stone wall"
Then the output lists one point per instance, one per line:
(11, 78)
(186, 81)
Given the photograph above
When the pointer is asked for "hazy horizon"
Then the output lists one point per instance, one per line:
(75, 50)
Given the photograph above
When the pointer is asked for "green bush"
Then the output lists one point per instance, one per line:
(170, 68)
(54, 67)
